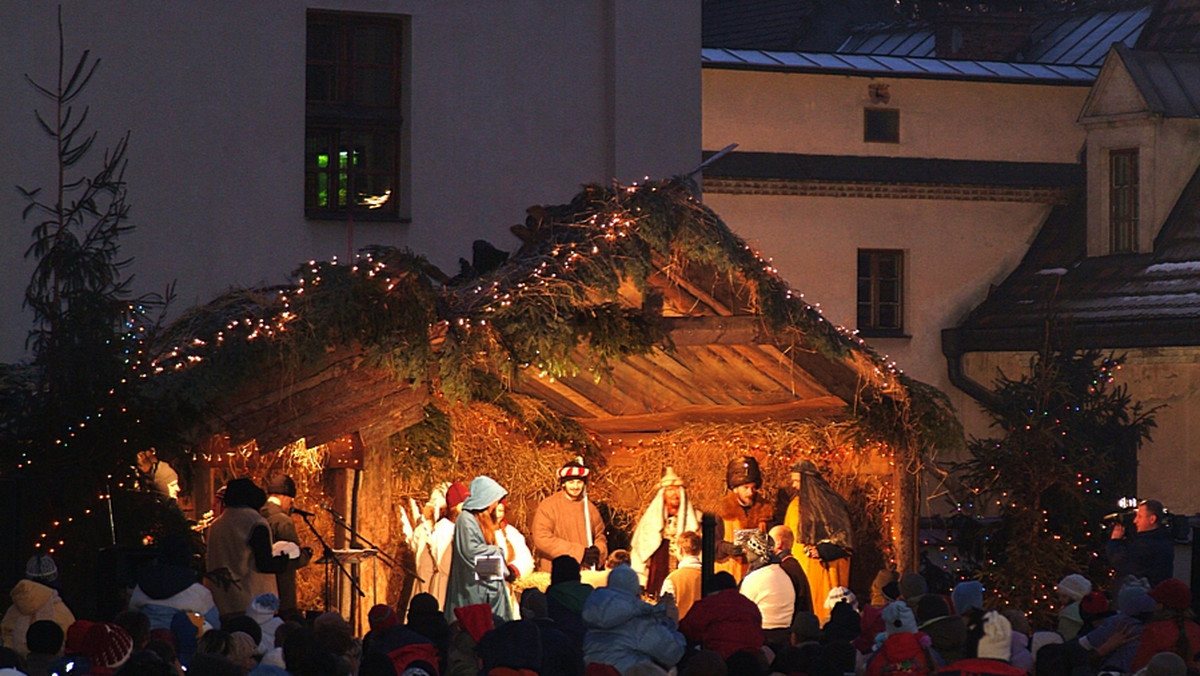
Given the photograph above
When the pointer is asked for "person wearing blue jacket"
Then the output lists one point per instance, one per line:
(623, 630)
(471, 581)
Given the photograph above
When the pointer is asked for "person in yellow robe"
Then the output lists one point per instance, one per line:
(820, 519)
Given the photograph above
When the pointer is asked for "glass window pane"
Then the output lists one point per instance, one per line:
(889, 291)
(888, 318)
(864, 264)
(887, 266)
(374, 87)
(322, 42)
(375, 45)
(319, 83)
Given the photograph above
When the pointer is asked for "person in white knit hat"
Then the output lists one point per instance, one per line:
(1071, 590)
(992, 651)
(654, 550)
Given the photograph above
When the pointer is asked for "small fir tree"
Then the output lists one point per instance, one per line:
(1066, 450)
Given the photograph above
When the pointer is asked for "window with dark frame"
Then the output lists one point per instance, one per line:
(881, 125)
(1123, 200)
(880, 292)
(352, 140)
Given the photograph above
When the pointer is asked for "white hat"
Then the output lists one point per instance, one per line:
(838, 594)
(996, 642)
(1074, 586)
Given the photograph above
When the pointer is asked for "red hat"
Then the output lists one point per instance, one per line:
(107, 646)
(456, 494)
(1094, 603)
(1172, 594)
(76, 633)
(476, 619)
(382, 617)
(573, 470)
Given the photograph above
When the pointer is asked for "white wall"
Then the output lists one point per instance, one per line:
(513, 104)
(954, 250)
(1169, 465)
(823, 115)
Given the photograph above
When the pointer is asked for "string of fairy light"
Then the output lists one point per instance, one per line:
(272, 320)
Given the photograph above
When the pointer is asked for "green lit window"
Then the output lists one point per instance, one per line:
(352, 154)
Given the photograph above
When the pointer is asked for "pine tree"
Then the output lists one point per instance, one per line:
(1066, 451)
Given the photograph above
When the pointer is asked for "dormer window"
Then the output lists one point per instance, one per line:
(1123, 200)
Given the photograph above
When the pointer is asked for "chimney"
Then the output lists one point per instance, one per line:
(982, 36)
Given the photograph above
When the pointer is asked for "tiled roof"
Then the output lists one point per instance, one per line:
(894, 66)
(1169, 81)
(1083, 39)
(1128, 300)
(754, 24)
(1065, 38)
(1174, 25)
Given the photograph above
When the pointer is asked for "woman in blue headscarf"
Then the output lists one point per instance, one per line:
(477, 567)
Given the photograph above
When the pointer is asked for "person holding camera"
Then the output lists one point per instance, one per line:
(1149, 552)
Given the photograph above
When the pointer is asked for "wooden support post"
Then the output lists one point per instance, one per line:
(708, 559)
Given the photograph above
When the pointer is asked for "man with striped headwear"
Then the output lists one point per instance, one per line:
(568, 523)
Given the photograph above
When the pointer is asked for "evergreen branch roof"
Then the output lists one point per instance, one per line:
(632, 309)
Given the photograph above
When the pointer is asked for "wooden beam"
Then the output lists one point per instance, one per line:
(709, 330)
(783, 370)
(560, 397)
(823, 408)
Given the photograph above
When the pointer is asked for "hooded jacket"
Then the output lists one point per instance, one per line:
(469, 544)
(623, 630)
(32, 601)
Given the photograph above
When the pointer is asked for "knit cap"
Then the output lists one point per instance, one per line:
(263, 607)
(107, 645)
(76, 633)
(533, 604)
(623, 578)
(1165, 664)
(41, 568)
(456, 494)
(1172, 593)
(996, 643)
(1138, 605)
(1093, 603)
(838, 594)
(898, 618)
(1074, 586)
(1043, 638)
(967, 595)
(913, 585)
(381, 616)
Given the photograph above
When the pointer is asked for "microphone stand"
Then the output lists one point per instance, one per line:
(340, 521)
(328, 556)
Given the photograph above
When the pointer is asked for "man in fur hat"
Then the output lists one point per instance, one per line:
(568, 523)
(742, 509)
(654, 551)
(281, 492)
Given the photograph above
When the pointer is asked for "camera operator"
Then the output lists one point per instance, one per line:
(1148, 553)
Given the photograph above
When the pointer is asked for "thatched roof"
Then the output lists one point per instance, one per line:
(629, 310)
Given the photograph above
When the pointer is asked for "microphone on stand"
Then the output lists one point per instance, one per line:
(302, 512)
